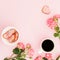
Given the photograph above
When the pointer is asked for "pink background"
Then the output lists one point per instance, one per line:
(27, 17)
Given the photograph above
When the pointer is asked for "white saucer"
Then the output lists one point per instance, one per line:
(4, 40)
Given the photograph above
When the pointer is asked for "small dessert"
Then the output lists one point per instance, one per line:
(11, 35)
(45, 9)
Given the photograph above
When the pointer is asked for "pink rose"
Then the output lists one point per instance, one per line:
(21, 45)
(51, 23)
(28, 45)
(48, 55)
(30, 52)
(38, 58)
(57, 16)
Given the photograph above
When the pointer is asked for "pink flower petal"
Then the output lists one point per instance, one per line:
(30, 52)
(38, 58)
(45, 9)
(21, 45)
(48, 55)
(57, 16)
(51, 23)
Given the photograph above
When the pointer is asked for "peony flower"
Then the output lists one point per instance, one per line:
(28, 45)
(48, 55)
(20, 45)
(38, 58)
(30, 52)
(51, 23)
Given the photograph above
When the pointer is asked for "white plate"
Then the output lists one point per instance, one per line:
(4, 40)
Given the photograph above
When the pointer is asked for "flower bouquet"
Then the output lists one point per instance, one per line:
(54, 23)
(21, 52)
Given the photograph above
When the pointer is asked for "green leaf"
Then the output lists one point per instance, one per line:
(56, 34)
(13, 59)
(57, 29)
(23, 54)
(59, 35)
(19, 58)
(44, 58)
(6, 59)
(16, 51)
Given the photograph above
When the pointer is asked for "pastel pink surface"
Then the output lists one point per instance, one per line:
(27, 17)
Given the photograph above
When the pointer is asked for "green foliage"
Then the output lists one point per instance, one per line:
(17, 51)
(19, 54)
(57, 29)
(19, 58)
(6, 59)
(56, 34)
(44, 58)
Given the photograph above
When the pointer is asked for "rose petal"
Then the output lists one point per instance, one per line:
(21, 45)
(45, 9)
(48, 55)
(51, 23)
(38, 58)
(30, 52)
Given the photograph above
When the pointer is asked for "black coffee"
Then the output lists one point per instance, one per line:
(47, 45)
